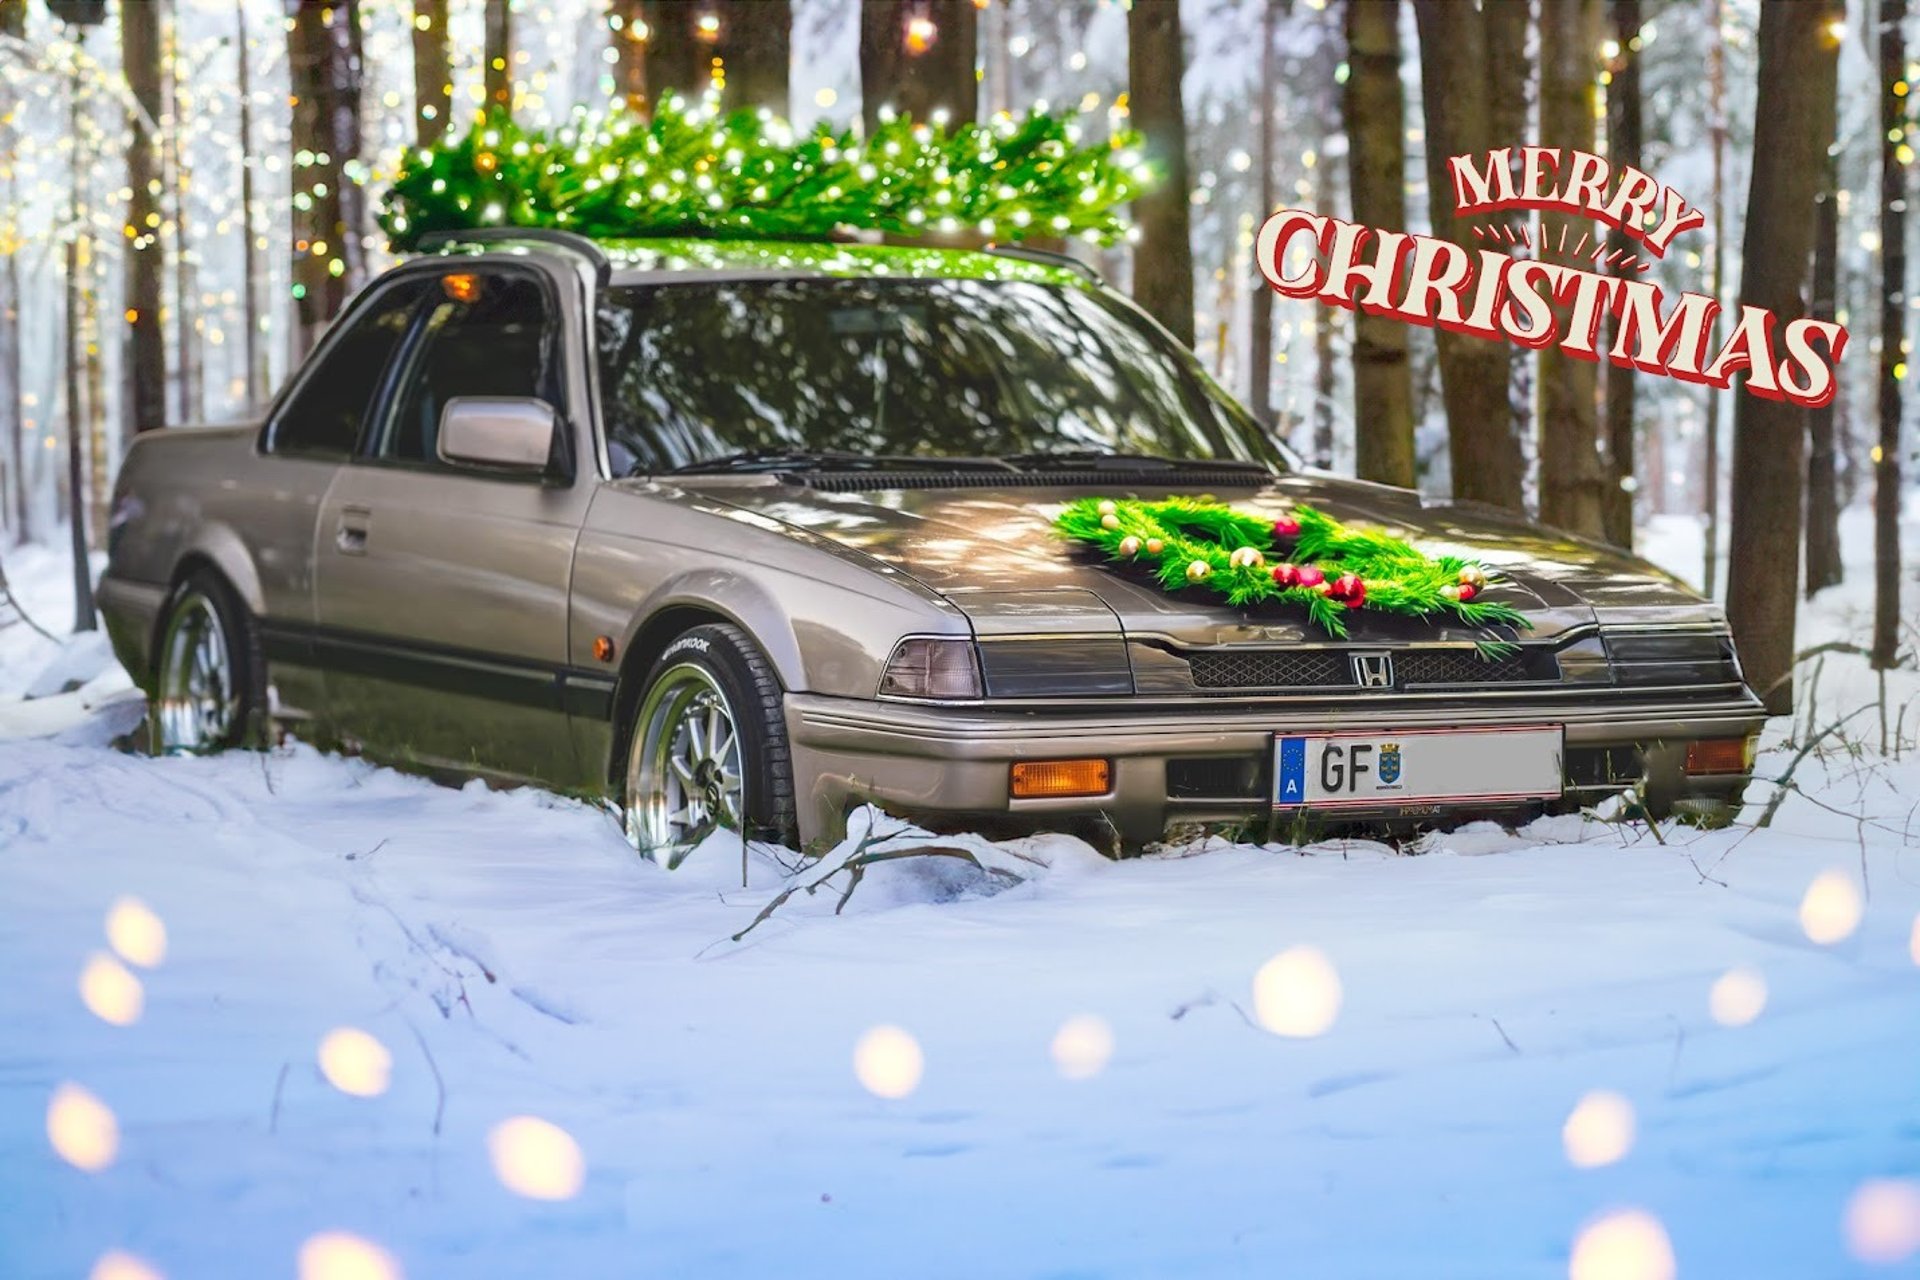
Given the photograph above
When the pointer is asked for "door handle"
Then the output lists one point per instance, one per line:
(350, 538)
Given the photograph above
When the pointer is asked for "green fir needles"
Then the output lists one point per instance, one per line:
(1305, 557)
(692, 171)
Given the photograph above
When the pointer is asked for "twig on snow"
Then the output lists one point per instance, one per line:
(273, 1116)
(6, 592)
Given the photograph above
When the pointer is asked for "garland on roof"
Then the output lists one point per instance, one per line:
(747, 175)
(1306, 558)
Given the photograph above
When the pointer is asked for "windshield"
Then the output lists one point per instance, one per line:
(900, 371)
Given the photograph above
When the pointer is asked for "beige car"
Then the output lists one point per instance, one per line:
(745, 535)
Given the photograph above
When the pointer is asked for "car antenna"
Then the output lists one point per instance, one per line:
(1047, 257)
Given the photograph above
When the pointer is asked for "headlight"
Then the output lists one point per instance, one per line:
(1672, 657)
(1068, 667)
(925, 667)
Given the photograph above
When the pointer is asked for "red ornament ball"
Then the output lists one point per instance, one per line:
(1286, 529)
(1286, 575)
(1467, 591)
(1349, 590)
(1309, 576)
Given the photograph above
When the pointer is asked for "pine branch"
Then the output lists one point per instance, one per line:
(691, 171)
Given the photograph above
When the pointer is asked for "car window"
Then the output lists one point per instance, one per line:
(323, 416)
(488, 334)
(922, 368)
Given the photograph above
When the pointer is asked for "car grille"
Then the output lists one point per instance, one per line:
(1330, 668)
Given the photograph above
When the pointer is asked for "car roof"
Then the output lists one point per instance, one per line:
(671, 259)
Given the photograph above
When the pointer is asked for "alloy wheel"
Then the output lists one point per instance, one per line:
(197, 698)
(684, 775)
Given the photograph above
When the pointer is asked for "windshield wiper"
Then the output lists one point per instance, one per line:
(752, 460)
(1104, 460)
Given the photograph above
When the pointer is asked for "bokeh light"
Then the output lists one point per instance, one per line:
(1626, 1244)
(1883, 1220)
(136, 933)
(115, 1264)
(354, 1062)
(1297, 993)
(1082, 1047)
(1599, 1130)
(536, 1159)
(887, 1061)
(1737, 997)
(341, 1255)
(1831, 910)
(82, 1128)
(110, 990)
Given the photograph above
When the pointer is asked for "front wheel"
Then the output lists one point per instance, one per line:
(207, 675)
(708, 748)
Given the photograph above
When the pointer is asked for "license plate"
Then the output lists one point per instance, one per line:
(1415, 766)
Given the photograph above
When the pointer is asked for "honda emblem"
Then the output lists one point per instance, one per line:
(1373, 670)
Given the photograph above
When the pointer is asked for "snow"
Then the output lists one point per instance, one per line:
(515, 959)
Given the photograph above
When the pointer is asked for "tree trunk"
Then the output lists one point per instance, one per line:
(76, 259)
(1623, 148)
(323, 69)
(1163, 258)
(497, 53)
(186, 341)
(1260, 303)
(432, 72)
(632, 36)
(917, 57)
(250, 240)
(1823, 498)
(1893, 331)
(1377, 178)
(1716, 285)
(1456, 76)
(146, 349)
(1796, 82)
(1509, 122)
(1573, 472)
(744, 47)
(15, 501)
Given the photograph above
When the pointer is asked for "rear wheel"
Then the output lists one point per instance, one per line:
(708, 748)
(207, 673)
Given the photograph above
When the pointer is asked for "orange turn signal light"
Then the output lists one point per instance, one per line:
(1037, 779)
(1718, 755)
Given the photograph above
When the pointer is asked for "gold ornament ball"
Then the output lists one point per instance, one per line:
(1321, 588)
(1155, 546)
(1198, 571)
(1109, 521)
(1246, 558)
(1129, 546)
(1108, 508)
(1472, 576)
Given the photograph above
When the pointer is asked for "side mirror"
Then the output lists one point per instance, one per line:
(511, 433)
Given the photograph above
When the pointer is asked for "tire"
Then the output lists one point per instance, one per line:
(707, 748)
(209, 679)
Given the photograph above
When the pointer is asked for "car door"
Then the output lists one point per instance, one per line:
(442, 588)
(309, 435)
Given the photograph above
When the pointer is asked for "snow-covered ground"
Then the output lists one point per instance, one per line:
(1080, 1082)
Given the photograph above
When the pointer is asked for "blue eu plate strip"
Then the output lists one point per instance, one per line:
(1291, 785)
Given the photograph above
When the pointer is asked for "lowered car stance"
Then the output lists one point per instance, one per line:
(746, 535)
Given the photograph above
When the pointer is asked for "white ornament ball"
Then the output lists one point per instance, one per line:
(1450, 592)
(1198, 571)
(1246, 558)
(1129, 546)
(1108, 508)
(1109, 521)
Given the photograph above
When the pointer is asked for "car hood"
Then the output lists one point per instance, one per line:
(993, 553)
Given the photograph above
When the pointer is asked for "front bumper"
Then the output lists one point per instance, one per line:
(931, 760)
